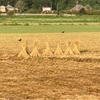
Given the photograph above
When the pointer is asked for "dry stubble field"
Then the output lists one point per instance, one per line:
(73, 77)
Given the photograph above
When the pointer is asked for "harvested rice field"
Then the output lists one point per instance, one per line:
(72, 77)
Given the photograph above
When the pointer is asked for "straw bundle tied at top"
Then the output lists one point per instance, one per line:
(47, 51)
(35, 52)
(68, 50)
(58, 50)
(75, 49)
(24, 53)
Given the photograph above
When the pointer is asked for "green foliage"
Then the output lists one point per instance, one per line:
(82, 11)
(21, 5)
(61, 5)
(96, 6)
(94, 12)
(10, 13)
(32, 10)
(38, 4)
(93, 3)
(3, 2)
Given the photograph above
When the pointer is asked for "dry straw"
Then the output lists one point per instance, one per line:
(75, 49)
(68, 50)
(47, 51)
(58, 50)
(24, 51)
(35, 52)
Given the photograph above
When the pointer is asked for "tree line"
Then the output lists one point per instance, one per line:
(35, 6)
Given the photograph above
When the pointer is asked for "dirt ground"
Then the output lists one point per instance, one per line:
(71, 78)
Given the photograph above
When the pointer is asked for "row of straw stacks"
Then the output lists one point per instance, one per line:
(47, 51)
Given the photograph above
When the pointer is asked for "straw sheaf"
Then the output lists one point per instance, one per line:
(35, 52)
(68, 50)
(47, 51)
(58, 50)
(24, 51)
(75, 49)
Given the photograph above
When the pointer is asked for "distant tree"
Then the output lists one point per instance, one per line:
(3, 2)
(93, 3)
(38, 4)
(61, 5)
(41, 3)
(21, 5)
(29, 3)
(53, 4)
(12, 2)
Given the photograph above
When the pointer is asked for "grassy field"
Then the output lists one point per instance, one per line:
(49, 24)
(49, 28)
(49, 19)
(74, 77)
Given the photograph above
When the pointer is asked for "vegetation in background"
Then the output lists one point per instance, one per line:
(83, 11)
(35, 6)
(10, 13)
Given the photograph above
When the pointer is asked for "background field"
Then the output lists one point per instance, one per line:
(75, 77)
(49, 28)
(49, 24)
(49, 19)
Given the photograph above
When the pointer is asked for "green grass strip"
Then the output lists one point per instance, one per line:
(49, 28)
